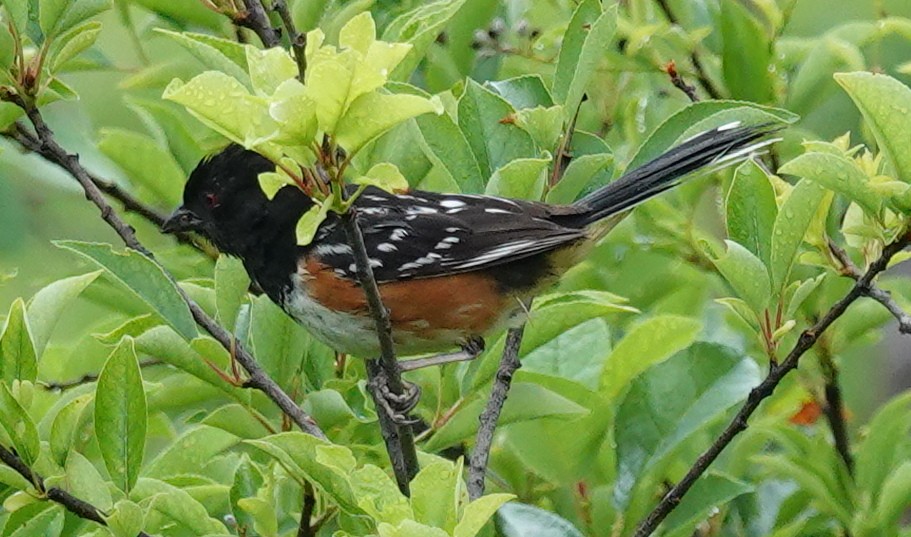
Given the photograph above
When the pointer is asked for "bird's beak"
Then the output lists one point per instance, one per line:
(182, 219)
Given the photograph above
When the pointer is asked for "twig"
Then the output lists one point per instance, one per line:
(254, 17)
(304, 529)
(874, 292)
(701, 75)
(85, 379)
(765, 389)
(258, 378)
(29, 142)
(297, 39)
(560, 160)
(679, 82)
(834, 408)
(77, 506)
(399, 439)
(509, 364)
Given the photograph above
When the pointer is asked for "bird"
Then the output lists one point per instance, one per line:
(451, 268)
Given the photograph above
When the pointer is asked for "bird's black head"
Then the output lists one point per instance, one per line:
(223, 201)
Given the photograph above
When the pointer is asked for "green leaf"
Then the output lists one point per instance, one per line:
(66, 427)
(217, 54)
(78, 11)
(526, 91)
(231, 284)
(361, 124)
(18, 12)
(747, 54)
(145, 162)
(409, 528)
(435, 494)
(522, 178)
(247, 482)
(837, 173)
(50, 13)
(446, 146)
(310, 222)
(791, 224)
(747, 275)
(384, 176)
(420, 28)
(143, 278)
(545, 125)
(377, 495)
(165, 344)
(126, 520)
(45, 308)
(578, 175)
(894, 497)
(269, 68)
(120, 415)
(520, 520)
(18, 426)
(484, 120)
(588, 35)
(294, 111)
(672, 401)
(478, 512)
(649, 342)
(170, 128)
(72, 43)
(18, 360)
(885, 104)
(708, 493)
(877, 455)
(47, 523)
(299, 454)
(189, 452)
(224, 105)
(673, 129)
(83, 481)
(527, 401)
(186, 512)
(750, 210)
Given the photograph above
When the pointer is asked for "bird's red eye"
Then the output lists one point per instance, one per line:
(211, 200)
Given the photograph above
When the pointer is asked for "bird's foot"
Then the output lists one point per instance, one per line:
(470, 350)
(396, 406)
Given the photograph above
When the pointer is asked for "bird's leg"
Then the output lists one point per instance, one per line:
(396, 406)
(469, 351)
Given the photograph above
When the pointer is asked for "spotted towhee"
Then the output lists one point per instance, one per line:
(451, 268)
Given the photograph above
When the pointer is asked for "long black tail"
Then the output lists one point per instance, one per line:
(721, 146)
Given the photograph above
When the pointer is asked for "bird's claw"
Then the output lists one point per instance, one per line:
(396, 406)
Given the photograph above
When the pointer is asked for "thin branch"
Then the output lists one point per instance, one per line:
(680, 83)
(701, 75)
(254, 17)
(85, 379)
(29, 142)
(834, 409)
(258, 378)
(399, 439)
(297, 39)
(304, 529)
(509, 364)
(77, 506)
(874, 292)
(765, 389)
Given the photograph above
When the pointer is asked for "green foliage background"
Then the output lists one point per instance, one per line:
(616, 396)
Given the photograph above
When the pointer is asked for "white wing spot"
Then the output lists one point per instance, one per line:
(497, 211)
(452, 203)
(332, 249)
(386, 247)
(398, 234)
(375, 263)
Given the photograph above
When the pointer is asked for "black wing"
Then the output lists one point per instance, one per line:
(425, 234)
